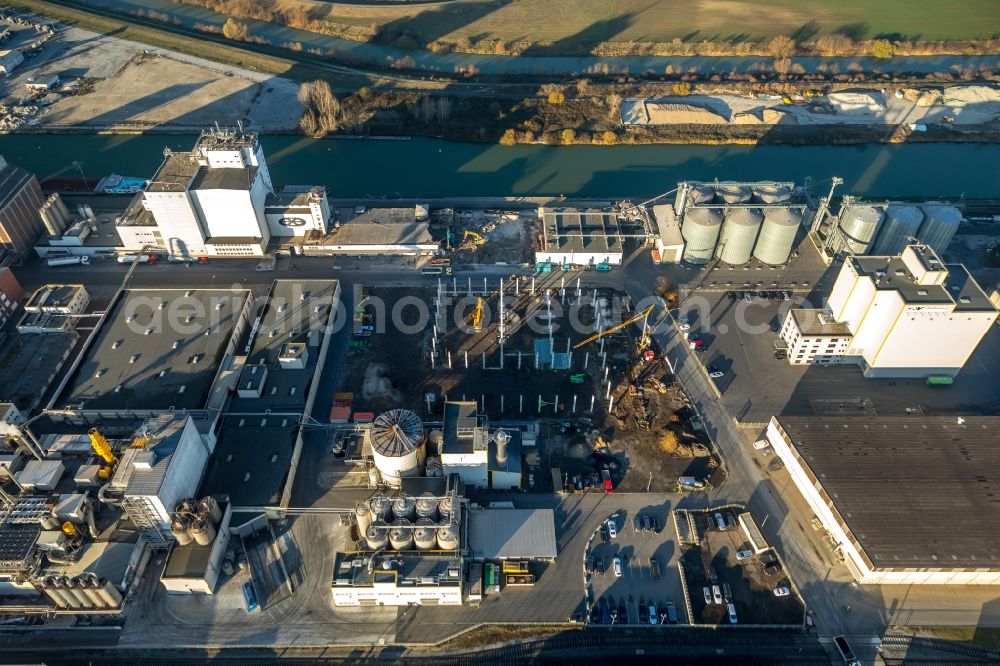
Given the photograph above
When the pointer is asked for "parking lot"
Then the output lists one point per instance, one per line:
(646, 575)
(738, 338)
(729, 584)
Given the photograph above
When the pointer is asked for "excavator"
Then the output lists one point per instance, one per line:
(471, 240)
(477, 316)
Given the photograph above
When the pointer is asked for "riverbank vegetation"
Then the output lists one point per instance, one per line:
(778, 28)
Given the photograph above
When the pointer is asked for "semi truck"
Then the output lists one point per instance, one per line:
(129, 258)
(69, 261)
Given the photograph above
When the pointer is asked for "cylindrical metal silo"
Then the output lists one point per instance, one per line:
(433, 467)
(777, 235)
(74, 590)
(377, 535)
(51, 586)
(381, 507)
(211, 507)
(186, 506)
(425, 536)
(700, 231)
(732, 193)
(112, 597)
(739, 233)
(448, 537)
(363, 514)
(858, 225)
(401, 535)
(940, 224)
(180, 527)
(901, 222)
(771, 193)
(203, 530)
(404, 508)
(445, 507)
(435, 440)
(427, 507)
(397, 438)
(89, 585)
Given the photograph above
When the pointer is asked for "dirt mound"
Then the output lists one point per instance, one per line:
(748, 118)
(862, 101)
(665, 113)
(960, 96)
(377, 386)
(774, 117)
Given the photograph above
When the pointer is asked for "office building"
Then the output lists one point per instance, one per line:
(11, 294)
(901, 316)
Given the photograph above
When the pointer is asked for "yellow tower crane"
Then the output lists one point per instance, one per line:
(597, 336)
(102, 448)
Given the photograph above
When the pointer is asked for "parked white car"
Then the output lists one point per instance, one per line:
(782, 591)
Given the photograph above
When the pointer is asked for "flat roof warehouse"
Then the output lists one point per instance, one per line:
(158, 349)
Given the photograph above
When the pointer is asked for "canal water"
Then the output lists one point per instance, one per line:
(435, 168)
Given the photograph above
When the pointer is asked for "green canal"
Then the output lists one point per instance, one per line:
(435, 168)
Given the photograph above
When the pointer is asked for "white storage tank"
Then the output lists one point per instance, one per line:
(771, 193)
(447, 537)
(381, 508)
(738, 236)
(203, 530)
(397, 439)
(690, 194)
(940, 224)
(732, 193)
(425, 536)
(112, 597)
(445, 507)
(777, 235)
(701, 232)
(377, 535)
(180, 527)
(208, 505)
(363, 515)
(401, 535)
(901, 222)
(427, 507)
(404, 508)
(435, 440)
(858, 226)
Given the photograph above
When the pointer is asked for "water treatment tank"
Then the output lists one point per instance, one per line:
(377, 535)
(858, 225)
(203, 530)
(901, 222)
(777, 235)
(363, 514)
(397, 439)
(732, 193)
(208, 505)
(425, 536)
(771, 193)
(940, 224)
(180, 527)
(381, 507)
(427, 507)
(700, 231)
(445, 507)
(404, 508)
(739, 233)
(448, 537)
(401, 535)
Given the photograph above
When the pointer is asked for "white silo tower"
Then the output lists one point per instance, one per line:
(397, 439)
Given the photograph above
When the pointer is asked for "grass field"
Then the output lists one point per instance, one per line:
(569, 23)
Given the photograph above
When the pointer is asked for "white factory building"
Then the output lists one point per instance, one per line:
(218, 200)
(481, 457)
(896, 316)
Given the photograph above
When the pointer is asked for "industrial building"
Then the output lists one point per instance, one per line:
(9, 60)
(884, 229)
(196, 561)
(20, 200)
(11, 294)
(573, 237)
(909, 315)
(30, 363)
(512, 534)
(480, 456)
(729, 222)
(365, 231)
(54, 307)
(907, 499)
(213, 201)
(156, 349)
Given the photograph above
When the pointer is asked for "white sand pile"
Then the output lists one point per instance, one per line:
(665, 113)
(960, 96)
(857, 102)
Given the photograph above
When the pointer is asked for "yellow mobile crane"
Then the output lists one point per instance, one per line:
(597, 336)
